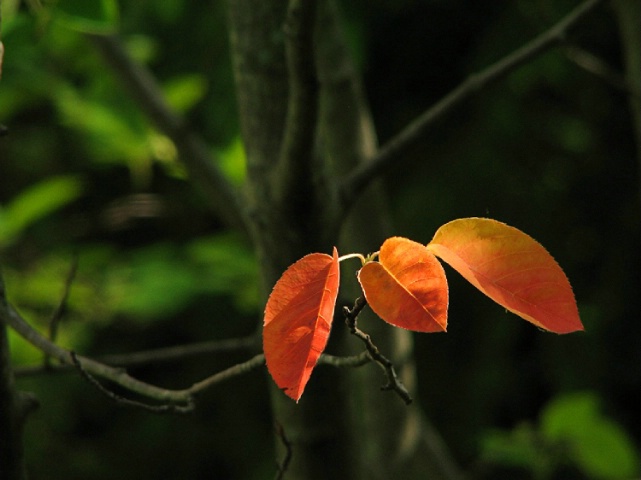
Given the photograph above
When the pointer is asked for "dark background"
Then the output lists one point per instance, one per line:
(549, 150)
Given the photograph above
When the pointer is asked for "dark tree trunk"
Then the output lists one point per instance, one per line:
(343, 427)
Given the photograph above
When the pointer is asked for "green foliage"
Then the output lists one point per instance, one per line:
(160, 281)
(151, 283)
(35, 203)
(571, 431)
(233, 161)
(595, 443)
(88, 16)
(183, 92)
(520, 448)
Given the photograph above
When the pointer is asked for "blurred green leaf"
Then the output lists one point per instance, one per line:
(233, 161)
(38, 289)
(600, 447)
(142, 48)
(185, 91)
(36, 202)
(572, 431)
(88, 16)
(161, 280)
(228, 267)
(112, 135)
(154, 283)
(516, 448)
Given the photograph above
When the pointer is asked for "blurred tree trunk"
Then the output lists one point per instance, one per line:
(286, 224)
(343, 427)
(629, 18)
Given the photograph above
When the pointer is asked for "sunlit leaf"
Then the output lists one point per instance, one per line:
(512, 269)
(407, 286)
(298, 318)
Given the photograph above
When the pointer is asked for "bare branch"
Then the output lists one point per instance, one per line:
(393, 382)
(360, 177)
(233, 371)
(164, 408)
(178, 400)
(345, 362)
(194, 153)
(116, 375)
(171, 400)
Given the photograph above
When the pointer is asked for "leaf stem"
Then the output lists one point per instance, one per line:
(352, 255)
(372, 256)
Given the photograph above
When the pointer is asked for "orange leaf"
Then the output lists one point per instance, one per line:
(512, 269)
(298, 317)
(407, 286)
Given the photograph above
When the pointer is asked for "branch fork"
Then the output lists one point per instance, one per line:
(393, 382)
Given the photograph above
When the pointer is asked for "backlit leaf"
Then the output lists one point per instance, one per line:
(512, 269)
(407, 286)
(298, 318)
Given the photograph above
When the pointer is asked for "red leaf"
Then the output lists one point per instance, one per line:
(298, 317)
(512, 269)
(407, 287)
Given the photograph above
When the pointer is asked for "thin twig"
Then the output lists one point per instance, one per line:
(61, 309)
(345, 362)
(393, 382)
(388, 155)
(181, 352)
(233, 371)
(282, 466)
(154, 356)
